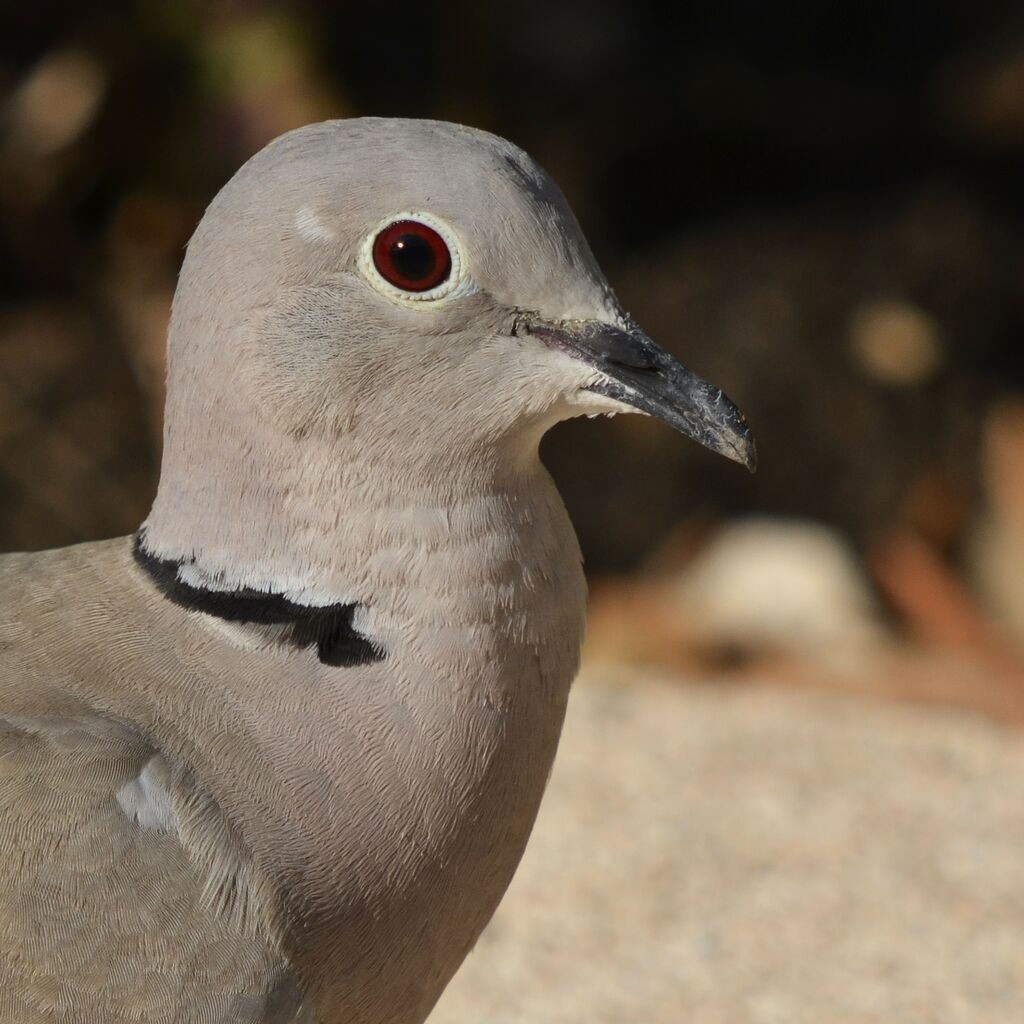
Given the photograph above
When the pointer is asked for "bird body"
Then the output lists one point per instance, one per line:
(275, 758)
(275, 794)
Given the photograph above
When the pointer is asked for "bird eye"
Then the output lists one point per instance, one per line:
(412, 256)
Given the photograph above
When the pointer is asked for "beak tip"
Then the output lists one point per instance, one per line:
(748, 454)
(732, 437)
(744, 451)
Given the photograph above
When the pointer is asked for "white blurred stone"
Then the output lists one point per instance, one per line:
(786, 585)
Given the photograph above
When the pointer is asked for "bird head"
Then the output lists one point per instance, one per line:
(411, 296)
(370, 280)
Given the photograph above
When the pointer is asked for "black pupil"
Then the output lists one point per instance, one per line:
(413, 257)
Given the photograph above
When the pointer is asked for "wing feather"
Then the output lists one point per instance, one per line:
(125, 896)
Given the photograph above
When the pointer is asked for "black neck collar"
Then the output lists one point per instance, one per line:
(328, 628)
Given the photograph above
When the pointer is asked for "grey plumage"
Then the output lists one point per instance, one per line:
(201, 817)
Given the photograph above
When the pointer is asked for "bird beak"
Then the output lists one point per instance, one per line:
(639, 373)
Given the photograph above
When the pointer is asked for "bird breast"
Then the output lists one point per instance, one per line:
(397, 796)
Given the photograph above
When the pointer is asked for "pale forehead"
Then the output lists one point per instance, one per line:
(367, 162)
(342, 178)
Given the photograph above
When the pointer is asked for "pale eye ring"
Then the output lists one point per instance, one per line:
(412, 257)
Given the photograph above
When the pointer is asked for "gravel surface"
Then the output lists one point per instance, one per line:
(734, 855)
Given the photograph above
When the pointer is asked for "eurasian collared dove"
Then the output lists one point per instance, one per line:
(275, 758)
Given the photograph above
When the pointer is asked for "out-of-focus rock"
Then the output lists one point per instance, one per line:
(787, 586)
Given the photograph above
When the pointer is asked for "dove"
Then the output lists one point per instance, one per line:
(275, 757)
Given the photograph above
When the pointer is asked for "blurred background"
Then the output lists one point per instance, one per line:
(792, 786)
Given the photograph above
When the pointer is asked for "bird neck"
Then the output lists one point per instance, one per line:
(320, 522)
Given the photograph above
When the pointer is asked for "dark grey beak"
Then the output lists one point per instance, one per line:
(645, 376)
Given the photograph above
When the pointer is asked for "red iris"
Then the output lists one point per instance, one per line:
(412, 256)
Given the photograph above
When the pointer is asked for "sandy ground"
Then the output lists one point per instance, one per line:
(735, 855)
